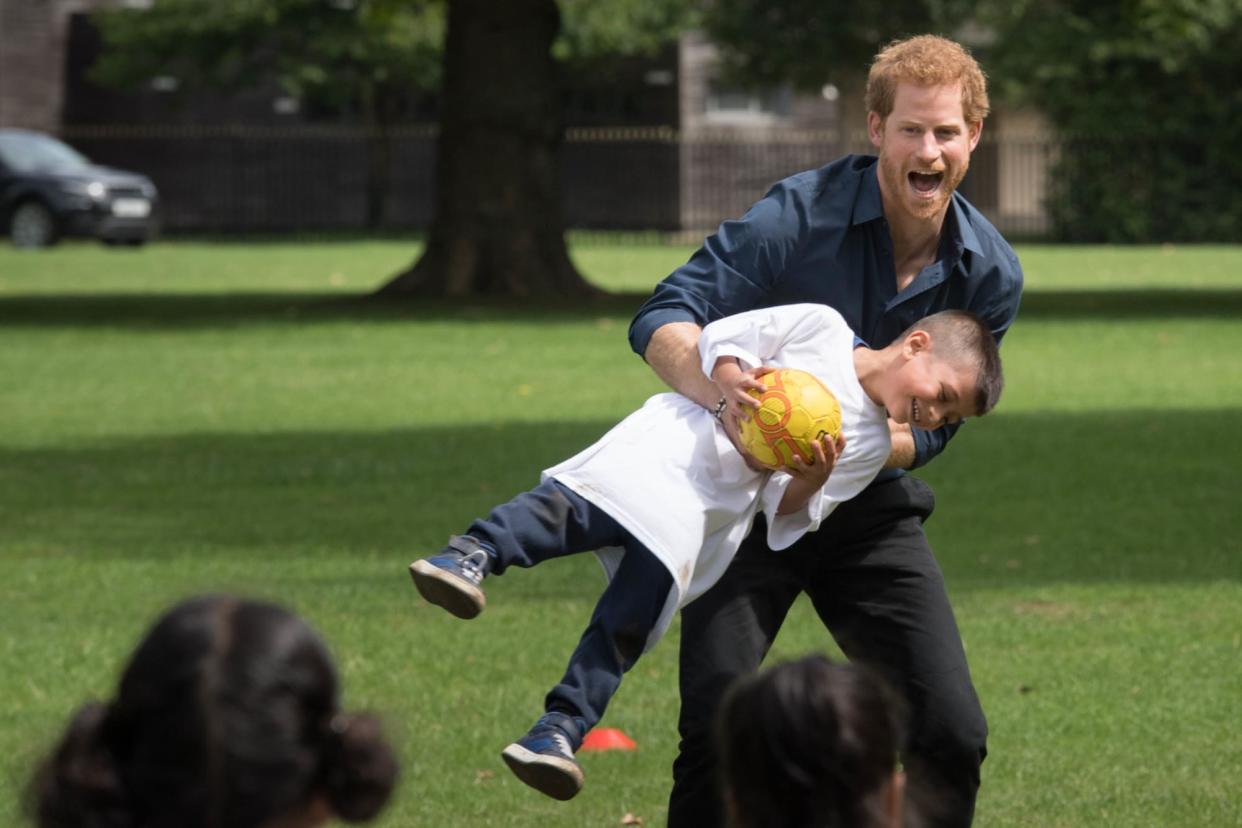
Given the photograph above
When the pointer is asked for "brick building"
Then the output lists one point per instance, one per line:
(34, 36)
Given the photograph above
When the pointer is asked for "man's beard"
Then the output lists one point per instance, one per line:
(899, 183)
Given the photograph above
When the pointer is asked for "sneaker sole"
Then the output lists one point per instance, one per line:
(448, 591)
(558, 778)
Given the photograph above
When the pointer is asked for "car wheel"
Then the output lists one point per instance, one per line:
(32, 226)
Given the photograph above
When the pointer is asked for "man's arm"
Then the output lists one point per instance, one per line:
(673, 353)
(735, 270)
(902, 455)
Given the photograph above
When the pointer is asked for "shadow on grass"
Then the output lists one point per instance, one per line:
(181, 311)
(1130, 496)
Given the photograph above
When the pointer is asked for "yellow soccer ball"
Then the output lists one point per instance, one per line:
(795, 410)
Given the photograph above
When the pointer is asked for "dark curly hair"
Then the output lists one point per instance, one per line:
(227, 716)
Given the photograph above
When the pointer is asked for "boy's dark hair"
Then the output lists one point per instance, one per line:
(227, 716)
(963, 335)
(809, 743)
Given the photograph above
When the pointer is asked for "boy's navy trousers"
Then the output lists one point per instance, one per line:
(551, 521)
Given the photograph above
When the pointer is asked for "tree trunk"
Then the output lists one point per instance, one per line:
(379, 162)
(498, 228)
(376, 119)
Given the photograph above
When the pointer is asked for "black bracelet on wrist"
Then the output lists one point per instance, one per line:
(719, 410)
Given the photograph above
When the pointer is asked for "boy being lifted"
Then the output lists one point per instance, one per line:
(665, 498)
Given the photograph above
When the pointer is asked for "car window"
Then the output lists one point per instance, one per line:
(39, 153)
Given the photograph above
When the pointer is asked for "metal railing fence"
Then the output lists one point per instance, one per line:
(273, 180)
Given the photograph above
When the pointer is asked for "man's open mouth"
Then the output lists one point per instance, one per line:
(925, 183)
(914, 411)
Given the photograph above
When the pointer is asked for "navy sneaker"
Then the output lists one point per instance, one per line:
(544, 757)
(451, 579)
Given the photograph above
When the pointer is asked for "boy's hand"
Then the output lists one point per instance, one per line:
(815, 474)
(733, 430)
(809, 478)
(735, 385)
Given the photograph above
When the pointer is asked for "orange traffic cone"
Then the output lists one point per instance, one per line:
(607, 738)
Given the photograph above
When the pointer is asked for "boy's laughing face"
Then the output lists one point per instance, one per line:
(928, 392)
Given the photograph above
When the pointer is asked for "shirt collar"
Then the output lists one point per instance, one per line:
(867, 203)
(962, 228)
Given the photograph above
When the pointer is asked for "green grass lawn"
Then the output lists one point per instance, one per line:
(198, 416)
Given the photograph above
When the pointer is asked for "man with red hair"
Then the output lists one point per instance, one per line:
(884, 240)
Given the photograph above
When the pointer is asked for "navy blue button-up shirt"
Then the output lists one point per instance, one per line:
(821, 236)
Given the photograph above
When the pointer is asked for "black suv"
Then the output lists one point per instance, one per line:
(49, 190)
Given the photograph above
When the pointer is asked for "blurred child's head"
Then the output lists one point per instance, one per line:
(227, 716)
(811, 743)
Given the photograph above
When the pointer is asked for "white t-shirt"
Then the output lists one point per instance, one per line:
(670, 476)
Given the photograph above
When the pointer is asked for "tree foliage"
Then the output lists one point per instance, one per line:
(1100, 68)
(372, 59)
(1141, 92)
(366, 56)
(1144, 97)
(337, 54)
(813, 42)
(363, 59)
(591, 29)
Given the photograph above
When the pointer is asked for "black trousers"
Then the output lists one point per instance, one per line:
(874, 582)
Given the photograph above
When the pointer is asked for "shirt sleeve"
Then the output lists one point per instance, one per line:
(735, 270)
(927, 444)
(755, 337)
